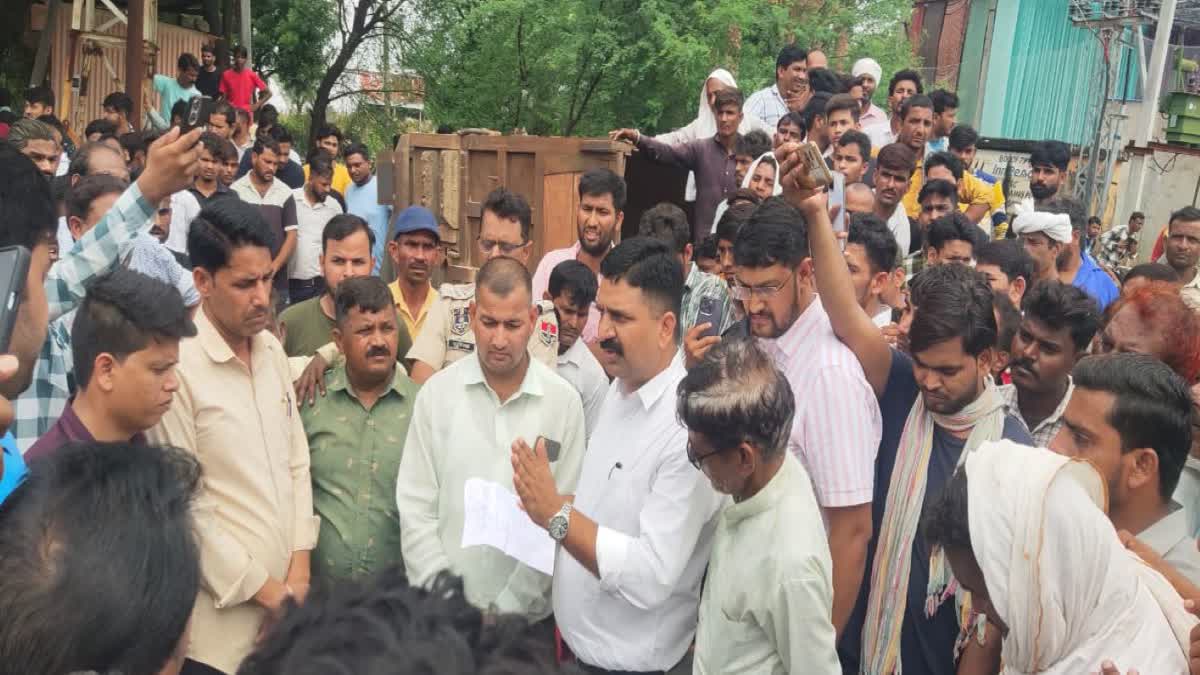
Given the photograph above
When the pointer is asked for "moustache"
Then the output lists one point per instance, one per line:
(378, 351)
(611, 345)
(1023, 364)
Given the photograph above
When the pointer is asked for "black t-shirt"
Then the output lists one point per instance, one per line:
(209, 83)
(926, 643)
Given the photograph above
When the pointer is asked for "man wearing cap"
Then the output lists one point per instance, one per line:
(1044, 236)
(415, 251)
(1052, 237)
(868, 69)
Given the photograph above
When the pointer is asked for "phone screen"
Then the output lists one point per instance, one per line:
(709, 312)
(14, 269)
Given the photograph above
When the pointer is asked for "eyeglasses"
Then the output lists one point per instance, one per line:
(698, 461)
(506, 248)
(744, 293)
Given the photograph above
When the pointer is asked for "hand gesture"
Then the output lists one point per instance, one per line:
(311, 381)
(695, 346)
(534, 482)
(1109, 668)
(630, 135)
(171, 162)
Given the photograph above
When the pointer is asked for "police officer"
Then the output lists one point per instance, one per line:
(504, 231)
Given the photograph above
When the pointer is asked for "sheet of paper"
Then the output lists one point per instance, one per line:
(492, 516)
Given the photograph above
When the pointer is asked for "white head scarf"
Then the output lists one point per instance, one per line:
(778, 189)
(867, 66)
(1070, 593)
(1057, 226)
(706, 120)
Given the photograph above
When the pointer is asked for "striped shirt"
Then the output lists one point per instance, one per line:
(1048, 428)
(837, 427)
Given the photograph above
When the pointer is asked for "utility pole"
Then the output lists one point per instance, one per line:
(135, 57)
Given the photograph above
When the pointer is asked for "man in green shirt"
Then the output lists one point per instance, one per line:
(346, 245)
(356, 436)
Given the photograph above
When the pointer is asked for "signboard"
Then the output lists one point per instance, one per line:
(997, 162)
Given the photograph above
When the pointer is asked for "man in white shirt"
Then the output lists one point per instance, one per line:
(894, 167)
(573, 290)
(768, 595)
(635, 538)
(872, 256)
(465, 421)
(790, 91)
(314, 210)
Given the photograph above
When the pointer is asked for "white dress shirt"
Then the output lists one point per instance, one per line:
(184, 208)
(898, 224)
(768, 598)
(461, 430)
(579, 366)
(310, 225)
(656, 516)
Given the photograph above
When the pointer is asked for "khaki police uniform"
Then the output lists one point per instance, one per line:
(447, 336)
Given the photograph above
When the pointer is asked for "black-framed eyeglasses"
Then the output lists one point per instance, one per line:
(506, 248)
(698, 460)
(744, 293)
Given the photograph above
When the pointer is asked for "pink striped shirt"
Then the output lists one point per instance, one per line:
(541, 284)
(836, 431)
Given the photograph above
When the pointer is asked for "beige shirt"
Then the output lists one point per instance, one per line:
(446, 335)
(1191, 292)
(255, 505)
(460, 430)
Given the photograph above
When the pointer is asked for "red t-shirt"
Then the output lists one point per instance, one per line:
(239, 88)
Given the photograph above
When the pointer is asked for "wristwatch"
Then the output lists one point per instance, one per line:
(559, 522)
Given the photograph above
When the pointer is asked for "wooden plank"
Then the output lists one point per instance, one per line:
(385, 175)
(560, 202)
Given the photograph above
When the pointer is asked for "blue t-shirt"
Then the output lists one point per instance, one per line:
(13, 471)
(926, 644)
(1095, 282)
(363, 201)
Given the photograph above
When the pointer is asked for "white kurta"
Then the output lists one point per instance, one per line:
(768, 597)
(461, 430)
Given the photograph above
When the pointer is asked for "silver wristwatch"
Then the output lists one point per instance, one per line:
(559, 522)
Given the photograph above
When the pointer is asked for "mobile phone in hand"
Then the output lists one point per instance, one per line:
(552, 447)
(710, 313)
(198, 111)
(14, 269)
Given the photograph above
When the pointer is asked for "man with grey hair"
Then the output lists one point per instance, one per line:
(36, 141)
(768, 599)
(466, 419)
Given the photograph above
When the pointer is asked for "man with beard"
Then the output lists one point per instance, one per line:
(214, 151)
(124, 361)
(511, 400)
(1044, 236)
(236, 414)
(356, 435)
(1182, 252)
(345, 252)
(1058, 323)
(415, 252)
(867, 73)
(505, 226)
(573, 291)
(1130, 416)
(1048, 163)
(1073, 266)
(937, 407)
(774, 282)
(36, 140)
(598, 224)
(894, 168)
(635, 539)
(260, 187)
(362, 199)
(916, 124)
(712, 159)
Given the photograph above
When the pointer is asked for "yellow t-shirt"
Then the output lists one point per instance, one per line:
(341, 177)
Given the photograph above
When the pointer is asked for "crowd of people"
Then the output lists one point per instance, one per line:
(885, 422)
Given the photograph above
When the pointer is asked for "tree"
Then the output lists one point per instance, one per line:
(586, 66)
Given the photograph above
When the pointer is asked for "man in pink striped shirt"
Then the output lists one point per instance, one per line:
(837, 426)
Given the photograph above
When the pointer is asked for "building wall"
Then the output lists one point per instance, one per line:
(104, 80)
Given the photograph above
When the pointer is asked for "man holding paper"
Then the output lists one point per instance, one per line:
(465, 420)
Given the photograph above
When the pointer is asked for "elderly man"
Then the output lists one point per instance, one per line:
(775, 594)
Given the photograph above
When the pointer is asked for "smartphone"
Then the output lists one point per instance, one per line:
(837, 197)
(198, 111)
(552, 448)
(710, 313)
(14, 269)
(818, 175)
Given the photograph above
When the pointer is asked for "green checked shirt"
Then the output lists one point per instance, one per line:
(96, 252)
(355, 460)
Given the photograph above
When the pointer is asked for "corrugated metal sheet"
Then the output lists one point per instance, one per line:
(103, 64)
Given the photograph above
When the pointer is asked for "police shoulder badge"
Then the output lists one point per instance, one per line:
(547, 331)
(460, 321)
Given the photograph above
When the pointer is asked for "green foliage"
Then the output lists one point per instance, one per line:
(582, 67)
(289, 38)
(371, 124)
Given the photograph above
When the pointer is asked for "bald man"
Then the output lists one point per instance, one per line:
(860, 198)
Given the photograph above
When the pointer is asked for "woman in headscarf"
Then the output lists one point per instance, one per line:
(763, 177)
(1025, 533)
(705, 124)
